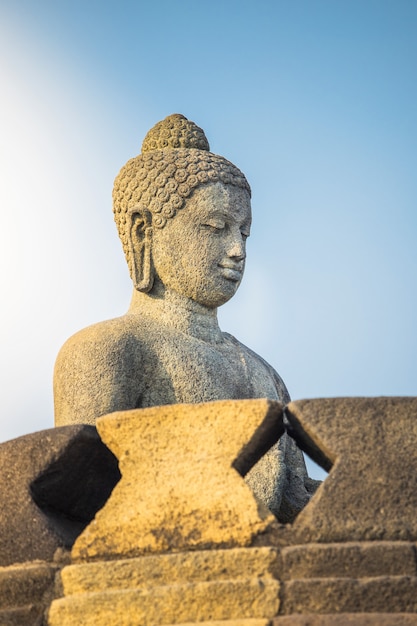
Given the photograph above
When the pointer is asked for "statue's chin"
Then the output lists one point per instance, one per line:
(210, 293)
(217, 298)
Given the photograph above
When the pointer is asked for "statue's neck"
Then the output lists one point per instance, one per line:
(171, 309)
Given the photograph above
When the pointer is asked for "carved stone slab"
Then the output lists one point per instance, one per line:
(370, 444)
(178, 488)
(238, 584)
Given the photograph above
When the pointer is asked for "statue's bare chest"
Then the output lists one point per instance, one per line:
(179, 368)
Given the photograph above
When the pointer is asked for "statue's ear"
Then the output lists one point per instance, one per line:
(140, 247)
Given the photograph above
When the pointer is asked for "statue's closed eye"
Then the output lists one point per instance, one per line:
(214, 226)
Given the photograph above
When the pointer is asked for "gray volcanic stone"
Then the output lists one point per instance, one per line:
(25, 592)
(351, 559)
(370, 447)
(51, 484)
(348, 619)
(29, 615)
(350, 595)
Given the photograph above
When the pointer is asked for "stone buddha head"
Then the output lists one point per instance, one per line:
(183, 215)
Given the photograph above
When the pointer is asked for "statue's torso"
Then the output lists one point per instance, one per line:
(186, 369)
(136, 362)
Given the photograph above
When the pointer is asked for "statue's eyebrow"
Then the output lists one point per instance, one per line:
(215, 212)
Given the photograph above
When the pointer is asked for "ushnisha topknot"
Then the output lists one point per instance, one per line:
(175, 160)
(174, 132)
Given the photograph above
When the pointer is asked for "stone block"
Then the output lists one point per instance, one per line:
(170, 569)
(348, 595)
(348, 619)
(174, 604)
(370, 447)
(51, 484)
(25, 584)
(178, 488)
(25, 593)
(29, 615)
(233, 622)
(351, 560)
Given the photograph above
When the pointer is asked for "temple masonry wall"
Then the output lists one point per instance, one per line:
(146, 520)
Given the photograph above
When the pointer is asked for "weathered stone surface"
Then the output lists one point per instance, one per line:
(178, 488)
(233, 622)
(175, 604)
(348, 595)
(25, 593)
(171, 588)
(351, 560)
(183, 216)
(371, 444)
(51, 484)
(25, 584)
(170, 569)
(348, 619)
(29, 615)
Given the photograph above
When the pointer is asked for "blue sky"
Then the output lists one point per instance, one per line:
(315, 100)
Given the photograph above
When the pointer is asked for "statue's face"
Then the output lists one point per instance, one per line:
(200, 253)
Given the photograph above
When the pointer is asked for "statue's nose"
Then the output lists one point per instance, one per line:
(237, 248)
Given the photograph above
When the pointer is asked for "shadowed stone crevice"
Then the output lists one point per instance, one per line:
(264, 437)
(307, 443)
(51, 485)
(76, 485)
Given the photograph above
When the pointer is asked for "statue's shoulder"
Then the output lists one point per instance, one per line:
(95, 371)
(103, 338)
(249, 354)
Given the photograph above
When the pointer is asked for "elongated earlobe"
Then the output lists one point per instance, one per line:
(140, 245)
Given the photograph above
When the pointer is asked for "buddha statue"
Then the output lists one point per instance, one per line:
(183, 215)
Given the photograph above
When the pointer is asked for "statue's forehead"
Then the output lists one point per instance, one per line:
(218, 197)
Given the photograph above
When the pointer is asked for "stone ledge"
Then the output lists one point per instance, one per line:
(29, 615)
(348, 619)
(168, 569)
(208, 601)
(349, 560)
(25, 584)
(233, 622)
(349, 595)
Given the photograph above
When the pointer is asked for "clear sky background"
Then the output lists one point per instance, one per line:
(315, 100)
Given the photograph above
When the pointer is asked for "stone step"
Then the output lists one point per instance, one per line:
(29, 615)
(168, 569)
(357, 559)
(348, 619)
(25, 584)
(233, 622)
(170, 604)
(349, 595)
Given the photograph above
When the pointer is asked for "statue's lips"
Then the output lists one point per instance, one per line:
(231, 271)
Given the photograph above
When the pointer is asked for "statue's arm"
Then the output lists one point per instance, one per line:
(95, 374)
